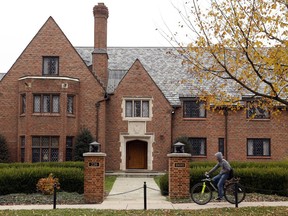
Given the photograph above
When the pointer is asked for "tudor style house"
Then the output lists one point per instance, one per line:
(132, 100)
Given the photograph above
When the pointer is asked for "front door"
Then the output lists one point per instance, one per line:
(136, 154)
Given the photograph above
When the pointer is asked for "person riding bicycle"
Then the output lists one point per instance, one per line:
(220, 179)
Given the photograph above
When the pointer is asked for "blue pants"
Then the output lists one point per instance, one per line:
(219, 180)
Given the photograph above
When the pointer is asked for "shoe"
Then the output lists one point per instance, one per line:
(218, 199)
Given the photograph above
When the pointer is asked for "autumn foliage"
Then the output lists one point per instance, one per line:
(238, 48)
(46, 185)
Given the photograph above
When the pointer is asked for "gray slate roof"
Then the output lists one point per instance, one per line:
(162, 63)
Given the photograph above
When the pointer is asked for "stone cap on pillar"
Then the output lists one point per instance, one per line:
(94, 154)
(179, 155)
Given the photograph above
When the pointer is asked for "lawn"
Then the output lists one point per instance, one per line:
(223, 211)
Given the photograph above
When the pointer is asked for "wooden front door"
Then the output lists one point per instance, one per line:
(136, 154)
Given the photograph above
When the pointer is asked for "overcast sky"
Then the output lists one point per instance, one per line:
(130, 23)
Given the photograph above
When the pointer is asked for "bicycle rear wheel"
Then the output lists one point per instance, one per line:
(201, 193)
(229, 193)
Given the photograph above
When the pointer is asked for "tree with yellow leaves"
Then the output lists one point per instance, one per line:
(239, 48)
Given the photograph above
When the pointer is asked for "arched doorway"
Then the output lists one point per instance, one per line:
(136, 154)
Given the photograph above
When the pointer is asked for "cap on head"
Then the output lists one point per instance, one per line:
(219, 156)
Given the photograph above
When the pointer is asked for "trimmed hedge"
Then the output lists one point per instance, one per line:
(259, 177)
(24, 179)
(75, 164)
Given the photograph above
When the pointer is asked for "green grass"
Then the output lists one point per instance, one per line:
(221, 211)
(109, 181)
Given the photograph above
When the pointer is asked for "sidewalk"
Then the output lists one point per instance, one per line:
(119, 199)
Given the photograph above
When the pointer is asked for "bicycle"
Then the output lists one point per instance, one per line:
(201, 193)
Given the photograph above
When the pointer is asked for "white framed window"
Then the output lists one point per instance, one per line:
(258, 147)
(137, 108)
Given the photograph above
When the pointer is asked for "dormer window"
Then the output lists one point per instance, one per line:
(51, 66)
(194, 109)
(254, 111)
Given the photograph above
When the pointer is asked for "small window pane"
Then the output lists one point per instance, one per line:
(258, 147)
(45, 141)
(46, 103)
(54, 142)
(23, 103)
(54, 155)
(145, 108)
(137, 108)
(128, 110)
(55, 104)
(70, 104)
(221, 145)
(35, 155)
(45, 155)
(37, 102)
(197, 146)
(36, 141)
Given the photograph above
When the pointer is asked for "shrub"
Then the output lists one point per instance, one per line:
(24, 179)
(46, 185)
(4, 156)
(83, 139)
(164, 184)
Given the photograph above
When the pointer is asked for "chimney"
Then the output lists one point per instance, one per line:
(100, 55)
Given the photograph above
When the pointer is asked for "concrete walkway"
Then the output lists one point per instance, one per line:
(120, 199)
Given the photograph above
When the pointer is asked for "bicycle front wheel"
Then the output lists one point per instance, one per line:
(201, 193)
(229, 193)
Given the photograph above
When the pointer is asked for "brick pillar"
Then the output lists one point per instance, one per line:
(94, 177)
(179, 177)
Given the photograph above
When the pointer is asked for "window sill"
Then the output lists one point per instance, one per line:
(194, 119)
(248, 119)
(258, 157)
(46, 114)
(71, 115)
(199, 156)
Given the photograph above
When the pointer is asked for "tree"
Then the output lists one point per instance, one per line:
(238, 48)
(83, 139)
(4, 156)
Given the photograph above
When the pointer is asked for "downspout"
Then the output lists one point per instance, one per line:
(172, 127)
(97, 105)
(226, 132)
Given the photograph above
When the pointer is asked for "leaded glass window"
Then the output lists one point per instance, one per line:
(70, 102)
(194, 109)
(45, 148)
(23, 103)
(258, 147)
(22, 144)
(255, 111)
(137, 108)
(46, 103)
(50, 66)
(197, 146)
(69, 148)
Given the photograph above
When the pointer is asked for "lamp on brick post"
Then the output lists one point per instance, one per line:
(94, 147)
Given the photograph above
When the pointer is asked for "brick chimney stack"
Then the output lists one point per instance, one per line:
(100, 56)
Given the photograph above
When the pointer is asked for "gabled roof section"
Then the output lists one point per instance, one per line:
(163, 64)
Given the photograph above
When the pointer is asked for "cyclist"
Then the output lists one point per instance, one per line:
(220, 179)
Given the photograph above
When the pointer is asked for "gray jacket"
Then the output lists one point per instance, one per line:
(221, 163)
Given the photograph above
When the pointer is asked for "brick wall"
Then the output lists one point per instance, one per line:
(94, 177)
(179, 175)
(49, 41)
